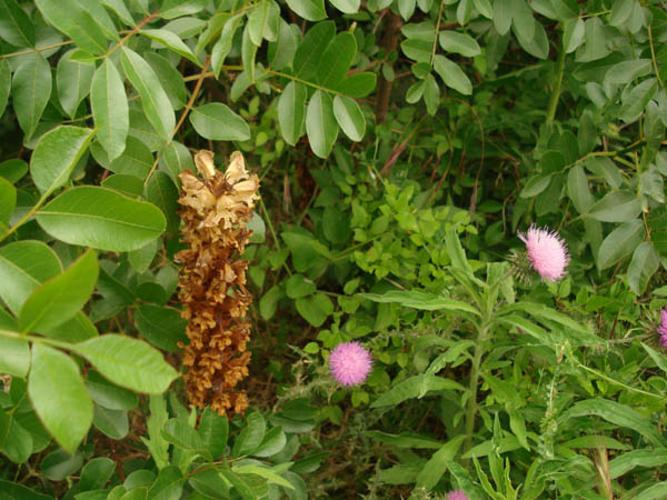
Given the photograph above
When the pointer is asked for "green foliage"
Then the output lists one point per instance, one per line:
(402, 145)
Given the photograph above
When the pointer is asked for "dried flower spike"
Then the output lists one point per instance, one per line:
(350, 363)
(547, 253)
(215, 213)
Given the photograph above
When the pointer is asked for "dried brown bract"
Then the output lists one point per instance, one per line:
(215, 213)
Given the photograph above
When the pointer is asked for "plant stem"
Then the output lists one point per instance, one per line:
(555, 94)
(471, 411)
(39, 340)
(653, 59)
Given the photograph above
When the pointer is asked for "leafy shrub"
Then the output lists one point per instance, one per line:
(401, 145)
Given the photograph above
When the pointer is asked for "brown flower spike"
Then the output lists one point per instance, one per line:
(215, 214)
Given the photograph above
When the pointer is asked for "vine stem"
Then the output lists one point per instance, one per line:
(132, 32)
(436, 27)
(555, 94)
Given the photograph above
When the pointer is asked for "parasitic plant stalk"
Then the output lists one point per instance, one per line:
(215, 211)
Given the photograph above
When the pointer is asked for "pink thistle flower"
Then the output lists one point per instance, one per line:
(547, 253)
(662, 328)
(350, 363)
(457, 495)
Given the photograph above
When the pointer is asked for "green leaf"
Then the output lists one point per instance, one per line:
(15, 25)
(110, 110)
(168, 485)
(31, 89)
(358, 85)
(298, 286)
(321, 124)
(70, 17)
(251, 436)
(174, 159)
(101, 218)
(617, 206)
(214, 431)
(644, 264)
(56, 155)
(626, 462)
(620, 12)
(77, 329)
(659, 358)
(578, 190)
(538, 44)
(311, 49)
(406, 8)
(73, 78)
(24, 265)
(61, 297)
(223, 46)
(216, 121)
(264, 22)
(7, 201)
(315, 309)
(292, 112)
(417, 299)
(59, 396)
(14, 356)
(636, 100)
(154, 100)
(162, 326)
(15, 440)
(178, 432)
(617, 414)
(13, 170)
(111, 423)
(502, 17)
(573, 34)
(311, 10)
(405, 440)
(172, 41)
(437, 465)
(5, 84)
(452, 75)
(349, 116)
(171, 79)
(337, 59)
(274, 442)
(620, 243)
(346, 6)
(129, 363)
(96, 473)
(522, 19)
(459, 43)
(656, 491)
(263, 472)
(626, 71)
(18, 491)
(135, 160)
(108, 395)
(163, 193)
(417, 386)
(596, 41)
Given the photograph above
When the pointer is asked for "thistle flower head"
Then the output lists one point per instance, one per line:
(662, 328)
(457, 495)
(350, 363)
(547, 253)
